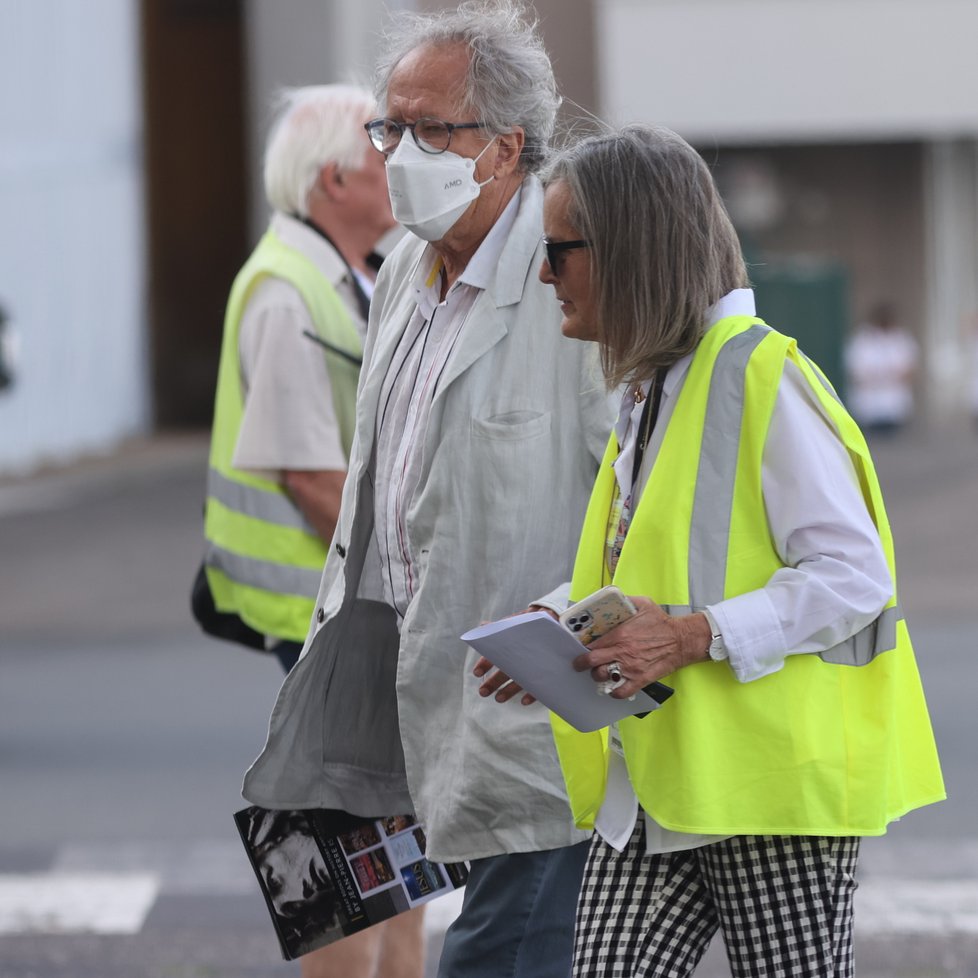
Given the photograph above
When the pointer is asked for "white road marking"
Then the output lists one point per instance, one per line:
(895, 906)
(884, 906)
(441, 912)
(218, 867)
(74, 903)
(110, 888)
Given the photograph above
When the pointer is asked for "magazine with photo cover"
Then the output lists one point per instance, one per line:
(327, 874)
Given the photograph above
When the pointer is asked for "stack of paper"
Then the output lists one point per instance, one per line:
(537, 652)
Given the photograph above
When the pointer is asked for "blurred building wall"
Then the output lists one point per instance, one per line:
(72, 276)
(303, 42)
(858, 123)
(854, 206)
(193, 71)
(749, 71)
(845, 130)
(951, 195)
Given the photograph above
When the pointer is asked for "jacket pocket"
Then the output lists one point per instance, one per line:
(512, 426)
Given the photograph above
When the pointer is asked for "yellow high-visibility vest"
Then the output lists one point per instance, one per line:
(263, 559)
(832, 744)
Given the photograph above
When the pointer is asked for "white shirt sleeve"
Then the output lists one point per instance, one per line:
(836, 580)
(558, 600)
(289, 421)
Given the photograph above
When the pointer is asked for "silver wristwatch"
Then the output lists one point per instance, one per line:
(717, 650)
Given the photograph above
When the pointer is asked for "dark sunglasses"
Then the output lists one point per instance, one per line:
(556, 248)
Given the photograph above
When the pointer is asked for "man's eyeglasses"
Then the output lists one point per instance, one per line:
(556, 248)
(431, 135)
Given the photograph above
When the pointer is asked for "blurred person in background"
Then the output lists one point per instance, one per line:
(973, 375)
(284, 415)
(739, 507)
(478, 434)
(881, 364)
(8, 351)
(290, 361)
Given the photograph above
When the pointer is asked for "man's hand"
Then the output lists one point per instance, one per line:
(648, 646)
(499, 684)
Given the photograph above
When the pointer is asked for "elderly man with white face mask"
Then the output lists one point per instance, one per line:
(478, 434)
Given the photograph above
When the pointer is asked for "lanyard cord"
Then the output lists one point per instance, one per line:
(355, 360)
(650, 414)
(363, 302)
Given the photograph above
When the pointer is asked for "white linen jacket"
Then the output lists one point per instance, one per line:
(378, 722)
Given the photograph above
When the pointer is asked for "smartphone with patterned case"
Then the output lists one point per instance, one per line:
(598, 613)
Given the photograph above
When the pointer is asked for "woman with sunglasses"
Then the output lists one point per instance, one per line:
(738, 507)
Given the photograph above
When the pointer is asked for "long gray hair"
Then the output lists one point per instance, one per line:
(510, 80)
(663, 249)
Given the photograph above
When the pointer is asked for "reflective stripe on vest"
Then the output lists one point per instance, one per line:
(264, 559)
(269, 508)
(256, 503)
(814, 747)
(714, 493)
(264, 574)
(877, 637)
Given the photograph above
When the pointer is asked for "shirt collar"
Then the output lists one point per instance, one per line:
(292, 232)
(482, 265)
(739, 302)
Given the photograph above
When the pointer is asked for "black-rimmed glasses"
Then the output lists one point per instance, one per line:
(431, 135)
(556, 248)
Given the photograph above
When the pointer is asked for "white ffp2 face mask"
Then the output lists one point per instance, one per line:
(430, 192)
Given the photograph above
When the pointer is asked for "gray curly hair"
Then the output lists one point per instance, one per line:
(510, 80)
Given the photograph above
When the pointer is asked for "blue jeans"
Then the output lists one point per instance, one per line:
(517, 918)
(287, 653)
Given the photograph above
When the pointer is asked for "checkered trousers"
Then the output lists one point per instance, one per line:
(783, 904)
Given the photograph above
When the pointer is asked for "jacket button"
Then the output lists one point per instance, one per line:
(320, 615)
(341, 550)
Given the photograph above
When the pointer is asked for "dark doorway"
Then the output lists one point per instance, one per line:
(196, 190)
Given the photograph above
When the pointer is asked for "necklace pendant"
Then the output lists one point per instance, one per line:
(638, 394)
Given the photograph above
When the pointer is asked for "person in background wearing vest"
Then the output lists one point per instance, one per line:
(479, 432)
(739, 507)
(283, 422)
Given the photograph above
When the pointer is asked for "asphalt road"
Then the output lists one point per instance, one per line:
(124, 732)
